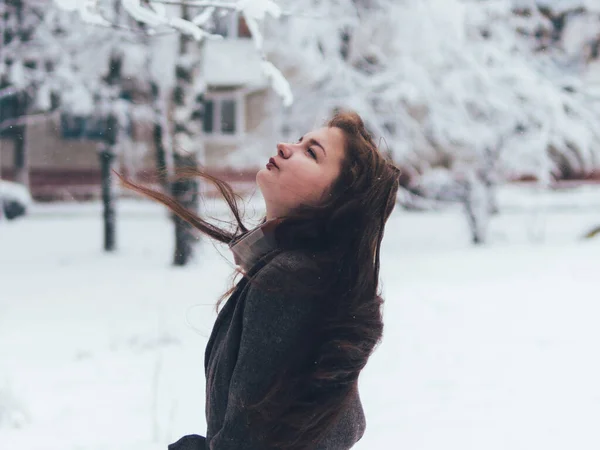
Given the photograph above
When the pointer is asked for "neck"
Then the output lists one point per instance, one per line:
(273, 212)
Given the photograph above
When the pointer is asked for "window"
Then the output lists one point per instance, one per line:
(209, 119)
(228, 117)
(72, 127)
(86, 127)
(224, 114)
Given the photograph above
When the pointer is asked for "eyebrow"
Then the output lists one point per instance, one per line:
(313, 141)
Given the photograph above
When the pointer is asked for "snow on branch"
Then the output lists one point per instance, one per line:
(145, 15)
(255, 12)
(280, 85)
(87, 9)
(258, 9)
(203, 18)
(90, 14)
(154, 14)
(157, 17)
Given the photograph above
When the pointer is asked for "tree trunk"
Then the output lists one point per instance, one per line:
(160, 134)
(21, 157)
(160, 130)
(161, 157)
(109, 147)
(489, 178)
(19, 137)
(476, 208)
(108, 198)
(107, 158)
(492, 198)
(1, 192)
(185, 191)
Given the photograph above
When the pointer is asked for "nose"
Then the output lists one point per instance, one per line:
(284, 150)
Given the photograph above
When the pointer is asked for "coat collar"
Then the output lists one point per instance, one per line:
(250, 247)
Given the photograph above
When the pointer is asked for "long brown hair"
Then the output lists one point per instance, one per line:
(343, 236)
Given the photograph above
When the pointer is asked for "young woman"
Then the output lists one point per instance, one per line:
(284, 357)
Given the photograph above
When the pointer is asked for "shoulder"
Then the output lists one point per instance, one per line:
(295, 259)
(289, 265)
(290, 277)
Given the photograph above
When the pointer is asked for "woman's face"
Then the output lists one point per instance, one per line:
(302, 172)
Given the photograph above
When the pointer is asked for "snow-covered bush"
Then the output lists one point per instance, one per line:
(15, 199)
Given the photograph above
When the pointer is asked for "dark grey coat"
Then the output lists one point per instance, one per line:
(253, 336)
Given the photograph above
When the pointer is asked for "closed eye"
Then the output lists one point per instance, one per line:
(312, 153)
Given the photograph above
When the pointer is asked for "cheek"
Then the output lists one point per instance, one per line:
(307, 183)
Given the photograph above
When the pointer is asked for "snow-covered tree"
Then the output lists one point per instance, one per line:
(568, 30)
(446, 83)
(22, 73)
(112, 115)
(188, 146)
(455, 84)
(442, 81)
(191, 21)
(31, 77)
(102, 55)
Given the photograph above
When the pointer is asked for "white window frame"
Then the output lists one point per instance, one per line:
(239, 97)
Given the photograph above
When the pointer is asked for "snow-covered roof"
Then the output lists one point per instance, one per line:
(233, 62)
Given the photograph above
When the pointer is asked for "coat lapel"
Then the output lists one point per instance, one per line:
(251, 254)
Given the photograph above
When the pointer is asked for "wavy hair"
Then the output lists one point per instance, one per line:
(343, 237)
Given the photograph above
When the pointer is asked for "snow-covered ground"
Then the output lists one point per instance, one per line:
(485, 348)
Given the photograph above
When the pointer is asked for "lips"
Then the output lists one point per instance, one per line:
(272, 161)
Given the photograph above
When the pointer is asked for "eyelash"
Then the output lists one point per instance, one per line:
(310, 150)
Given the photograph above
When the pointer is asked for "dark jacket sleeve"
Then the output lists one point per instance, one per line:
(189, 442)
(275, 326)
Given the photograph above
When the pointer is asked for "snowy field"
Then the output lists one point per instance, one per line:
(484, 349)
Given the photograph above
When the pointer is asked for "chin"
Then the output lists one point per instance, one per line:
(260, 176)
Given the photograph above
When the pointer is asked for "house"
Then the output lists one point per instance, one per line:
(241, 110)
(238, 110)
